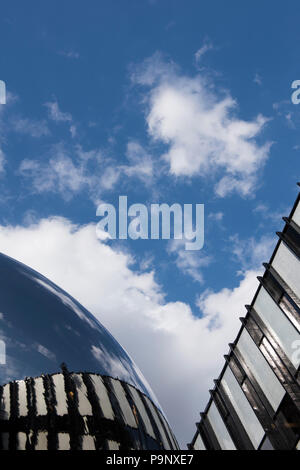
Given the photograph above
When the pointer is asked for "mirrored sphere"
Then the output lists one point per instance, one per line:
(41, 327)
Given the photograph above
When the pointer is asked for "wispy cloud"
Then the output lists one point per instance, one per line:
(69, 170)
(257, 79)
(190, 263)
(62, 173)
(56, 114)
(70, 54)
(31, 127)
(283, 109)
(2, 161)
(216, 216)
(139, 166)
(207, 46)
(219, 306)
(270, 215)
(140, 163)
(44, 351)
(251, 252)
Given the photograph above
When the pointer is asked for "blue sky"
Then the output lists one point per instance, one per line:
(162, 101)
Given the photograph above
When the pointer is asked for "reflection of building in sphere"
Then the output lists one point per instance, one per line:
(80, 411)
(65, 382)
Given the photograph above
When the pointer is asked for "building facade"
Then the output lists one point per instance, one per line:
(255, 403)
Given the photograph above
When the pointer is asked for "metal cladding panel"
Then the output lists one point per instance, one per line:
(296, 215)
(42, 326)
(198, 444)
(80, 411)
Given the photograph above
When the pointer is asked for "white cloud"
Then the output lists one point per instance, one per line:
(44, 351)
(257, 79)
(207, 46)
(2, 139)
(273, 216)
(70, 54)
(110, 177)
(219, 306)
(63, 174)
(178, 352)
(31, 127)
(73, 131)
(140, 163)
(189, 262)
(216, 216)
(56, 114)
(202, 133)
(252, 252)
(70, 170)
(60, 174)
(2, 161)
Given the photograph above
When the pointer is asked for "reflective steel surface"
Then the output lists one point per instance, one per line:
(41, 327)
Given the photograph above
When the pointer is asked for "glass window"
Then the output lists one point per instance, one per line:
(277, 323)
(261, 370)
(198, 445)
(288, 267)
(296, 216)
(242, 407)
(289, 309)
(266, 445)
(219, 428)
